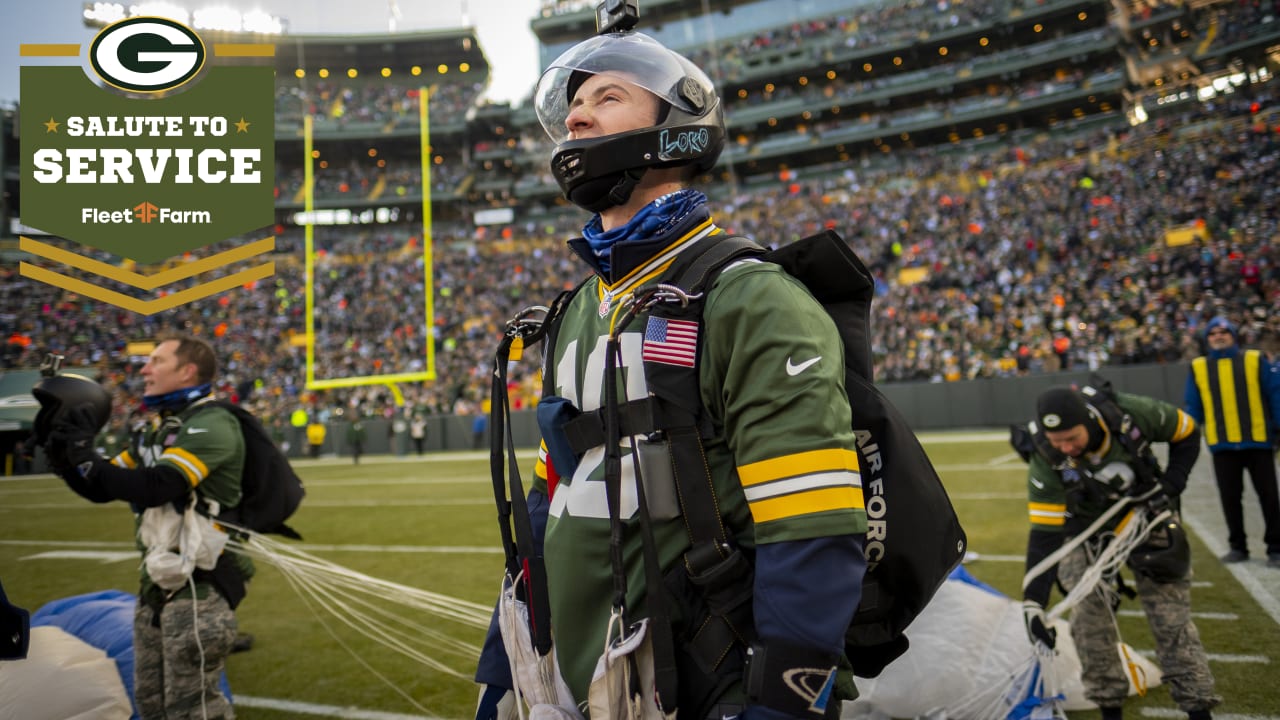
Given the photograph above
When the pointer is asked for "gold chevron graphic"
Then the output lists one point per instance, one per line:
(49, 50)
(138, 280)
(243, 50)
(138, 305)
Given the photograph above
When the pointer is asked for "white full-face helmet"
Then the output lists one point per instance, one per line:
(599, 173)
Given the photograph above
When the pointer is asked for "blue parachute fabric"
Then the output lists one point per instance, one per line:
(103, 620)
(964, 576)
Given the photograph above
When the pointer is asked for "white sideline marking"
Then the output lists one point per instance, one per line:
(946, 437)
(103, 555)
(301, 708)
(1194, 615)
(1223, 658)
(988, 496)
(363, 482)
(983, 557)
(416, 502)
(1006, 458)
(980, 467)
(1175, 713)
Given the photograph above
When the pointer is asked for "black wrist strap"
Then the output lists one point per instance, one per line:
(791, 679)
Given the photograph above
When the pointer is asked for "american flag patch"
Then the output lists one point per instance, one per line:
(674, 342)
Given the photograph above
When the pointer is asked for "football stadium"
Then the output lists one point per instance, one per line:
(1043, 193)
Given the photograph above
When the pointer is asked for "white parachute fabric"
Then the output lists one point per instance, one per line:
(62, 678)
(627, 659)
(539, 684)
(178, 543)
(970, 659)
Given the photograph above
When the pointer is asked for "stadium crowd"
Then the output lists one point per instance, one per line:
(1027, 256)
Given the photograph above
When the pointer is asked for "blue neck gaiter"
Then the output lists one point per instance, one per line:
(177, 399)
(652, 220)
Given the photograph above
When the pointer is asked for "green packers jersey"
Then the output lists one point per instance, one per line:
(783, 462)
(1047, 491)
(205, 445)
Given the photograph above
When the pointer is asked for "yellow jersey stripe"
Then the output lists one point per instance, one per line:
(1050, 514)
(801, 484)
(1257, 422)
(1200, 367)
(1186, 426)
(805, 463)
(659, 263)
(540, 468)
(189, 464)
(1124, 521)
(805, 503)
(124, 460)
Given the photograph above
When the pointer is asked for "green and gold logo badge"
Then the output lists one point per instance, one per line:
(164, 152)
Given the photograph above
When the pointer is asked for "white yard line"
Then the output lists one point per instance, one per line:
(1194, 615)
(294, 707)
(1175, 713)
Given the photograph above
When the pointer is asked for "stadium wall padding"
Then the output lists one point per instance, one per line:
(983, 403)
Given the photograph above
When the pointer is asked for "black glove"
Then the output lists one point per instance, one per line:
(1038, 632)
(1174, 481)
(870, 661)
(71, 440)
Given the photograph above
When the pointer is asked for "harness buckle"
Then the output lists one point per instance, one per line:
(527, 323)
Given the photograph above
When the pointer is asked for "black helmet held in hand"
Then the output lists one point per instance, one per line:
(58, 394)
(1165, 556)
(600, 172)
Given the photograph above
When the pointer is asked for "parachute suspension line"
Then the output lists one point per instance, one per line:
(1034, 687)
(1133, 531)
(275, 552)
(350, 597)
(293, 581)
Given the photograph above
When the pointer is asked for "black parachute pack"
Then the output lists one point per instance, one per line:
(914, 539)
(270, 490)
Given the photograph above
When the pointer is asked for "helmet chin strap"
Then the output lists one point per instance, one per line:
(600, 195)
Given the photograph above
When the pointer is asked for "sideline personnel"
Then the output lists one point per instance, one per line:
(1235, 396)
(194, 451)
(1087, 458)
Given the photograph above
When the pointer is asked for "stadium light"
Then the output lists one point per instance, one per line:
(219, 18)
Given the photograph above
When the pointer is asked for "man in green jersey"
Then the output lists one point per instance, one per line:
(1085, 464)
(192, 452)
(634, 123)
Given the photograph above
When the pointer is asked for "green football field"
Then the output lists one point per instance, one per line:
(428, 529)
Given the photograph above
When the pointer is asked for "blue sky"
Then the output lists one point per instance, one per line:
(502, 25)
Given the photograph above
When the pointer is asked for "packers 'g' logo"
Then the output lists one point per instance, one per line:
(146, 54)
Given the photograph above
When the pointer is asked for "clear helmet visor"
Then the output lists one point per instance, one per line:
(634, 56)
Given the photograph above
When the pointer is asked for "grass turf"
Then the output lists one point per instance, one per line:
(431, 525)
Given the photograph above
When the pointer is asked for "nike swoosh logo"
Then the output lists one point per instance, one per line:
(1037, 483)
(794, 370)
(196, 431)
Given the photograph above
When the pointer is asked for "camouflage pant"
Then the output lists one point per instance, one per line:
(1179, 652)
(168, 684)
